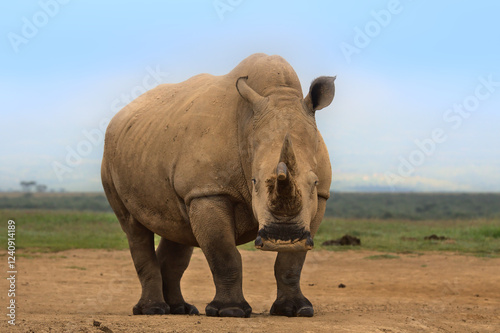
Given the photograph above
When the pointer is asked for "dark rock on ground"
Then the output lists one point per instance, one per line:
(344, 240)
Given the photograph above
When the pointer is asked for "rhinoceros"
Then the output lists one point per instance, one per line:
(215, 162)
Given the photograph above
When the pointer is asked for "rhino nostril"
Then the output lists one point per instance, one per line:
(258, 241)
(309, 241)
(308, 238)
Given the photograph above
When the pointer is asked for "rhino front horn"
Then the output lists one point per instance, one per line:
(282, 171)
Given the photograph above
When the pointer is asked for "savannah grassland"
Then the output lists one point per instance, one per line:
(387, 222)
(75, 274)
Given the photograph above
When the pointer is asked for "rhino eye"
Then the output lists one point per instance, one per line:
(316, 182)
(254, 181)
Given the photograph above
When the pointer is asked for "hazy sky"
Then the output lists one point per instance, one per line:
(417, 92)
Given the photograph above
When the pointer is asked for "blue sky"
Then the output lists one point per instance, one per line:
(403, 70)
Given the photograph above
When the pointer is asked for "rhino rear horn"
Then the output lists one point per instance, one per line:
(248, 93)
(287, 155)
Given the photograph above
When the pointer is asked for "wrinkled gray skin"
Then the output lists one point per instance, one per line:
(214, 162)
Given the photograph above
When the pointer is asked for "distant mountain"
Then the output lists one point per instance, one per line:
(372, 188)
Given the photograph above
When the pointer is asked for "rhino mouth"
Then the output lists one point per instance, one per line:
(283, 239)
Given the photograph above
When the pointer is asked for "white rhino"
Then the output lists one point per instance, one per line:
(214, 162)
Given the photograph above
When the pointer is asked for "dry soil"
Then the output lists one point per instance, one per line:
(73, 291)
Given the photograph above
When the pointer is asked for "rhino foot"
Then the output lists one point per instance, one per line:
(149, 308)
(296, 307)
(219, 309)
(184, 308)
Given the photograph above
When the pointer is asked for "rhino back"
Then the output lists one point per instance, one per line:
(174, 143)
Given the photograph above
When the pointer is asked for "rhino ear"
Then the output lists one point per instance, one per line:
(321, 93)
(246, 92)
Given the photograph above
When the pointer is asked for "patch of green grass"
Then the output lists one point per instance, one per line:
(57, 257)
(27, 255)
(248, 246)
(478, 237)
(487, 231)
(55, 230)
(77, 267)
(382, 256)
(55, 201)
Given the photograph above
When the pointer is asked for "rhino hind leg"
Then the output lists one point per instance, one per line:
(219, 247)
(141, 243)
(290, 301)
(174, 259)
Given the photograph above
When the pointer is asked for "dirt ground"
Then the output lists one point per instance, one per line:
(68, 291)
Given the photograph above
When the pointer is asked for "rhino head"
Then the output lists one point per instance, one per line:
(283, 145)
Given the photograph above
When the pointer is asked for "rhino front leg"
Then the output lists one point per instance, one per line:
(213, 226)
(174, 259)
(287, 269)
(290, 301)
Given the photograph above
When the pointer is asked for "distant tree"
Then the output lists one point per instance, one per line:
(41, 188)
(27, 185)
(24, 186)
(31, 184)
